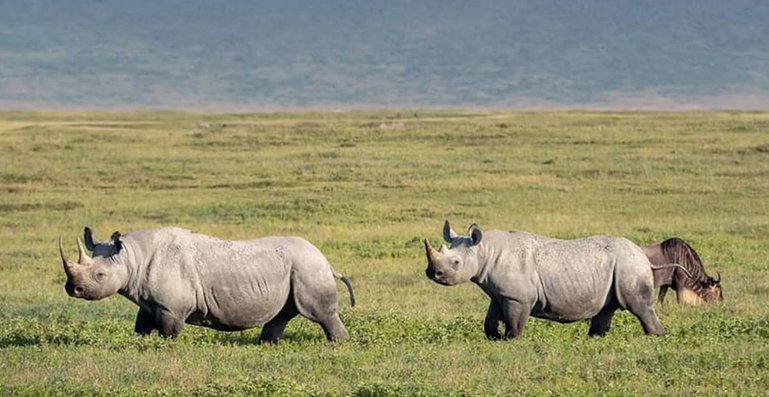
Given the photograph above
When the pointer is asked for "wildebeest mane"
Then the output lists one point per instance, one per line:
(679, 251)
(676, 250)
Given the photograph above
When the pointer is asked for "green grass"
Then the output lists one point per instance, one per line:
(366, 187)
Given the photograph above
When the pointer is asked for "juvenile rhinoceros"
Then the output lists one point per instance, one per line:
(176, 276)
(562, 280)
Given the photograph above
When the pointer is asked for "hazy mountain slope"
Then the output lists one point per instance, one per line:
(338, 53)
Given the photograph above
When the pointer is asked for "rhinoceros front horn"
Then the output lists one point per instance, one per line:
(432, 254)
(67, 268)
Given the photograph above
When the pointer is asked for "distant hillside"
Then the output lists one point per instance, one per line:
(243, 54)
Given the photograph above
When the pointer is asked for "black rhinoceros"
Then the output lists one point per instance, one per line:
(562, 280)
(176, 276)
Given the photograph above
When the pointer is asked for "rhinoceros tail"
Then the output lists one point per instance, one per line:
(669, 265)
(349, 286)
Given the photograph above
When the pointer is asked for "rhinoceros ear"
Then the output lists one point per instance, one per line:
(475, 233)
(88, 238)
(116, 240)
(448, 233)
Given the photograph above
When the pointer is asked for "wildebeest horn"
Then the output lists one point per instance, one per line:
(64, 261)
(83, 258)
(718, 280)
(88, 239)
(430, 251)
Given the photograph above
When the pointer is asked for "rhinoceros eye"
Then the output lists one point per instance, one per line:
(455, 262)
(100, 276)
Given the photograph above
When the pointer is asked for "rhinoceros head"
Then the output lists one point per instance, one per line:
(455, 265)
(92, 278)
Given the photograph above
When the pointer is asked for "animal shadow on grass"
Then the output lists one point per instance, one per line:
(20, 338)
(251, 338)
(16, 339)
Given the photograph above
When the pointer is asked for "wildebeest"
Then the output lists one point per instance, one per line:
(563, 280)
(691, 288)
(176, 276)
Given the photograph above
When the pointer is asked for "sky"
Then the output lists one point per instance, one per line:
(334, 54)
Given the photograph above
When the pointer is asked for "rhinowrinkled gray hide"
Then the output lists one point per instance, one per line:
(176, 276)
(562, 280)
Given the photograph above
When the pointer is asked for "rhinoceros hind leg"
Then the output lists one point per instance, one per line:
(601, 323)
(643, 309)
(514, 315)
(651, 322)
(145, 323)
(334, 329)
(272, 332)
(639, 300)
(316, 299)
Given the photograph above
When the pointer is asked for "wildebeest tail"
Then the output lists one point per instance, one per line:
(660, 267)
(347, 283)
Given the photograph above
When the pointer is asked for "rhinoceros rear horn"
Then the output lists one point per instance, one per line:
(83, 258)
(88, 239)
(432, 254)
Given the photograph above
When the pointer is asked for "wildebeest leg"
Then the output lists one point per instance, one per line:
(145, 323)
(493, 317)
(272, 332)
(168, 324)
(514, 315)
(661, 296)
(601, 323)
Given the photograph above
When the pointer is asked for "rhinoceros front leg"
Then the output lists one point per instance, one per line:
(514, 315)
(169, 325)
(145, 323)
(491, 323)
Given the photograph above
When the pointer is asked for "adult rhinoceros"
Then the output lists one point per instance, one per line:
(176, 276)
(562, 280)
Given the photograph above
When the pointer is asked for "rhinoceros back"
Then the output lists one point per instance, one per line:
(568, 280)
(228, 285)
(577, 276)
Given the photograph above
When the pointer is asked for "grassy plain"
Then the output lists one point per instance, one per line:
(366, 187)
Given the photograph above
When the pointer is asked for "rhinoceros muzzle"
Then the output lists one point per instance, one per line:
(432, 258)
(70, 288)
(77, 291)
(432, 274)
